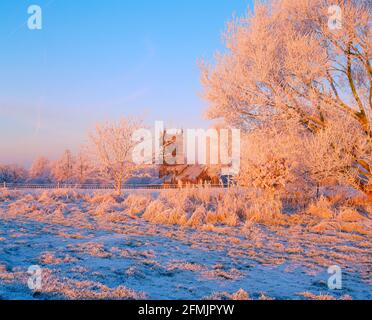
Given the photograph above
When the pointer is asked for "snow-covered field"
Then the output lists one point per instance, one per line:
(97, 246)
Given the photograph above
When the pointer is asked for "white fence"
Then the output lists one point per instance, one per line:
(18, 186)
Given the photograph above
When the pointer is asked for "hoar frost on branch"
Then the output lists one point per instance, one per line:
(113, 146)
(285, 62)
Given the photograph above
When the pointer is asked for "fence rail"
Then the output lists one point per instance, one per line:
(18, 186)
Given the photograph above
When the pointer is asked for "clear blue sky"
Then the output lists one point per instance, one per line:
(97, 60)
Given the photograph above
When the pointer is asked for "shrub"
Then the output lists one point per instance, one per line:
(265, 207)
(322, 208)
(349, 215)
(136, 204)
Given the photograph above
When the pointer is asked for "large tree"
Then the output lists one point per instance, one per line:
(303, 59)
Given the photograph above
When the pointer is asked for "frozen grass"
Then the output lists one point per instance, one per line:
(197, 207)
(192, 243)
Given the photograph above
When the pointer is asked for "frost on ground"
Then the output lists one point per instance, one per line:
(183, 244)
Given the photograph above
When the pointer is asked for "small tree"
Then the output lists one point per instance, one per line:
(40, 170)
(113, 146)
(63, 170)
(83, 168)
(285, 157)
(329, 154)
(12, 173)
(270, 158)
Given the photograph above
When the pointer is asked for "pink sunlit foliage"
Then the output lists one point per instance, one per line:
(63, 169)
(40, 170)
(112, 146)
(284, 61)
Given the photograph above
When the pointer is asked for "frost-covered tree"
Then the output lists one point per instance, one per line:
(40, 170)
(288, 59)
(113, 146)
(63, 169)
(284, 157)
(329, 154)
(12, 173)
(269, 158)
(83, 169)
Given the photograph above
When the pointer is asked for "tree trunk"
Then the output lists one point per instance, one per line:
(317, 190)
(118, 187)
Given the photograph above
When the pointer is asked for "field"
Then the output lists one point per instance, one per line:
(181, 244)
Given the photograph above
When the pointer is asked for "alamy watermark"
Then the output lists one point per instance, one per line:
(335, 280)
(190, 146)
(335, 17)
(34, 281)
(35, 19)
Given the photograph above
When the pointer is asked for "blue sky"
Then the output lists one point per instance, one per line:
(98, 60)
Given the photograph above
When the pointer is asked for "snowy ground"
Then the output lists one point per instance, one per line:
(86, 255)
